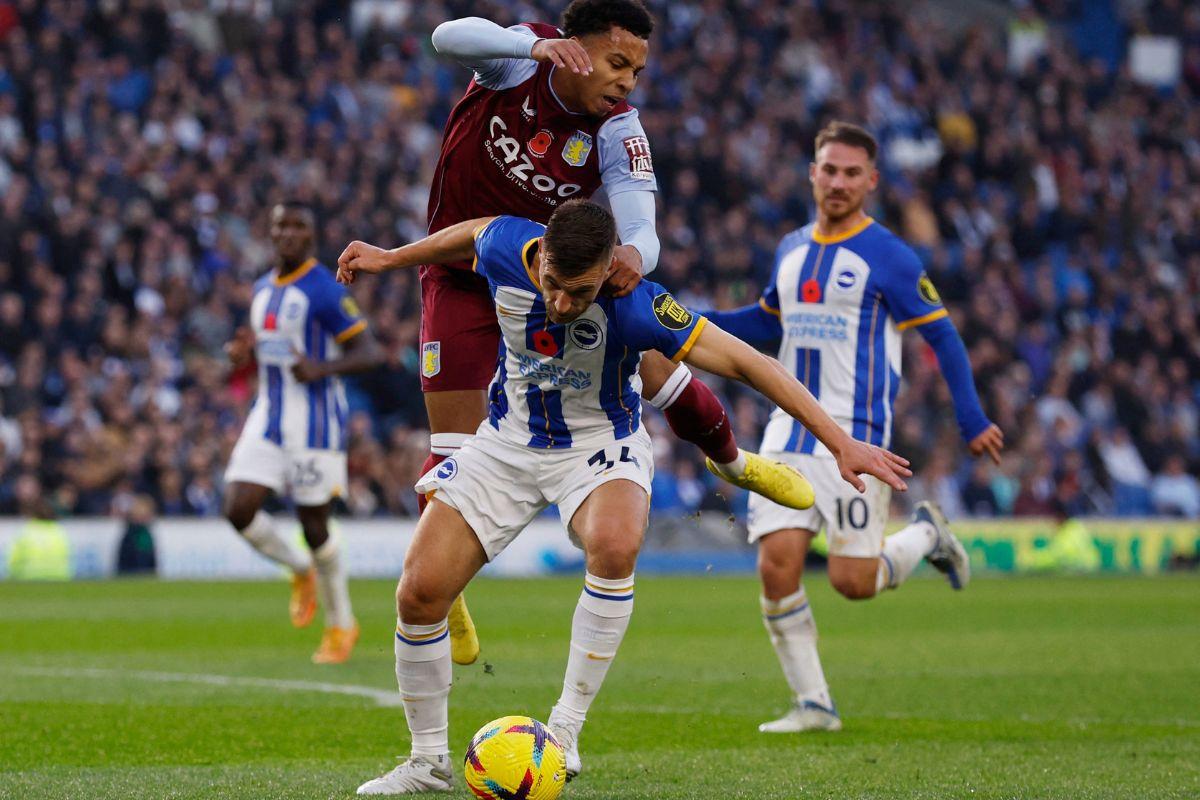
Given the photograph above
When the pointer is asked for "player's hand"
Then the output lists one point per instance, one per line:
(858, 458)
(240, 349)
(361, 257)
(307, 370)
(565, 53)
(625, 272)
(991, 441)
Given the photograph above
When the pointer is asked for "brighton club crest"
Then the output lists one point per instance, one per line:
(577, 149)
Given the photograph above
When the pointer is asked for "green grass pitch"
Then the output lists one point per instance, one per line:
(1017, 688)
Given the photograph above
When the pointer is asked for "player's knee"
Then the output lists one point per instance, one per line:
(613, 554)
(853, 586)
(239, 511)
(420, 604)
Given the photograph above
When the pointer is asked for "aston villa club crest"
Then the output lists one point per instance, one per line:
(577, 149)
(539, 145)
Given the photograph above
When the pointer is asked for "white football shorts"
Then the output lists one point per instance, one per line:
(310, 477)
(499, 486)
(853, 522)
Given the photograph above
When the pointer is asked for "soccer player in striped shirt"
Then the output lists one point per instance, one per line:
(843, 291)
(305, 332)
(563, 428)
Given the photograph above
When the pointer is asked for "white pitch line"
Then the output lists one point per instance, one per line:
(381, 697)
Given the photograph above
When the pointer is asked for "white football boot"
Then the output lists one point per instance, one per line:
(567, 733)
(415, 775)
(948, 556)
(805, 715)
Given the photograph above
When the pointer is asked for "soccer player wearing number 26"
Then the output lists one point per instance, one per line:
(843, 291)
(563, 428)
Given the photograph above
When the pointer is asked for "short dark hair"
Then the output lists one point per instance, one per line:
(847, 133)
(583, 17)
(578, 236)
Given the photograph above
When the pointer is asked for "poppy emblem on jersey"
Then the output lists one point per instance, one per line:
(928, 291)
(670, 314)
(577, 149)
(539, 145)
(543, 342)
(810, 292)
(447, 469)
(846, 280)
(431, 359)
(585, 334)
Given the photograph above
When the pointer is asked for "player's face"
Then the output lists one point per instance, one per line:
(618, 58)
(291, 233)
(842, 177)
(567, 298)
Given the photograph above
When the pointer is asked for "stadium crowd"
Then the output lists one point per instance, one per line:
(142, 144)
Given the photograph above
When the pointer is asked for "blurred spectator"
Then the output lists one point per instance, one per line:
(41, 551)
(1174, 492)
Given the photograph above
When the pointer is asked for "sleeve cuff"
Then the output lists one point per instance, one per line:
(691, 341)
(932, 316)
(351, 332)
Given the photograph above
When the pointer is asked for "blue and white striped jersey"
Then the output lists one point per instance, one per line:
(573, 385)
(307, 313)
(842, 302)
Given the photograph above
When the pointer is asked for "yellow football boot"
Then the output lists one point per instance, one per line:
(303, 605)
(464, 642)
(336, 645)
(774, 480)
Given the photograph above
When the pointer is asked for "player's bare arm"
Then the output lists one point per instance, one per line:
(720, 353)
(449, 245)
(626, 271)
(362, 353)
(240, 349)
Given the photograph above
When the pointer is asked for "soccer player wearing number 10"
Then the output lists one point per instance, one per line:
(563, 428)
(843, 291)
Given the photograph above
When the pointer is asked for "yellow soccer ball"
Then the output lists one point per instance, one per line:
(515, 758)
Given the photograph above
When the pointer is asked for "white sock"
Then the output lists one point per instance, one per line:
(735, 468)
(601, 618)
(902, 551)
(671, 390)
(793, 632)
(333, 585)
(261, 535)
(445, 444)
(424, 674)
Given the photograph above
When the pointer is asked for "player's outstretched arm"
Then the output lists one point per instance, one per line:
(475, 42)
(455, 243)
(718, 352)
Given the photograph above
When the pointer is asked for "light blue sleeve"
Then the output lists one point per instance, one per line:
(501, 57)
(625, 161)
(634, 213)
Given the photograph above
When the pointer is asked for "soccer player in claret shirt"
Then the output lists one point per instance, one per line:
(843, 291)
(545, 119)
(305, 332)
(563, 428)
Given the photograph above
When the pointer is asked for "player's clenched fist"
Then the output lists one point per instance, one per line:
(565, 53)
(361, 257)
(866, 459)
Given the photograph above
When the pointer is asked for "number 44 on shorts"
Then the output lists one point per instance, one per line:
(603, 463)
